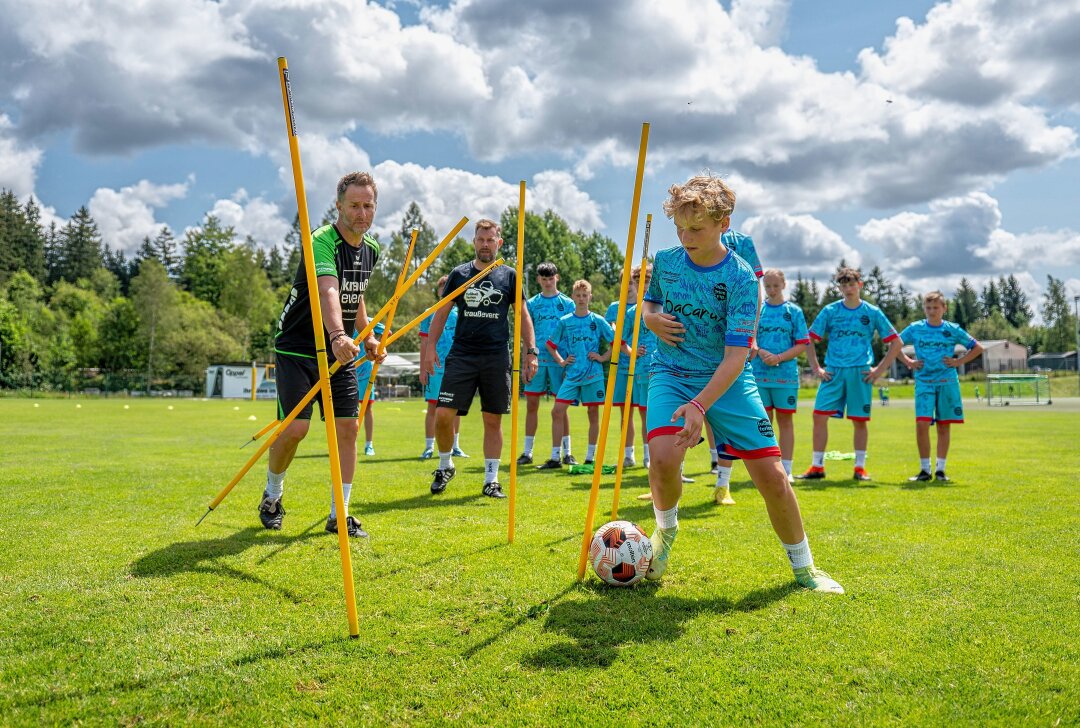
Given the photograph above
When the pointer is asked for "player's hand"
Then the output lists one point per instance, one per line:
(594, 356)
(641, 350)
(824, 374)
(344, 349)
(371, 348)
(529, 370)
(427, 366)
(568, 361)
(690, 434)
(951, 361)
(916, 364)
(423, 376)
(873, 374)
(666, 327)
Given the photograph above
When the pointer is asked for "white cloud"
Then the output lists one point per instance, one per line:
(982, 53)
(260, 219)
(18, 163)
(763, 20)
(964, 234)
(125, 216)
(798, 244)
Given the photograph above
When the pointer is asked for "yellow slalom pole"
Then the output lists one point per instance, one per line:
(515, 386)
(261, 432)
(594, 493)
(281, 425)
(389, 323)
(628, 409)
(320, 349)
(254, 379)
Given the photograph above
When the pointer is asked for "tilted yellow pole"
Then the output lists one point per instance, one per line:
(515, 387)
(389, 323)
(320, 348)
(261, 432)
(613, 367)
(315, 390)
(628, 409)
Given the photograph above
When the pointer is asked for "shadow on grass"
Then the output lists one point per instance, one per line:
(600, 626)
(203, 556)
(426, 500)
(420, 567)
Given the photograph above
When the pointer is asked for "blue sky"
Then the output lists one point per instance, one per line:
(937, 140)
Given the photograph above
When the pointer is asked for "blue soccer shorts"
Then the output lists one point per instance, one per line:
(939, 403)
(434, 384)
(589, 393)
(738, 418)
(548, 379)
(845, 391)
(781, 399)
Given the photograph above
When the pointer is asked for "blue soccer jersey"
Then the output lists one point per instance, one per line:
(546, 312)
(718, 306)
(742, 246)
(850, 332)
(612, 317)
(932, 345)
(646, 338)
(446, 340)
(578, 335)
(779, 328)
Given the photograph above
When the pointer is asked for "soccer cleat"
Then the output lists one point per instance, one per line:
(369, 450)
(628, 462)
(569, 460)
(790, 479)
(662, 539)
(524, 459)
(442, 477)
(458, 452)
(427, 454)
(588, 461)
(271, 513)
(860, 474)
(646, 463)
(722, 496)
(922, 477)
(351, 525)
(715, 468)
(686, 479)
(551, 464)
(814, 579)
(940, 477)
(812, 473)
(493, 490)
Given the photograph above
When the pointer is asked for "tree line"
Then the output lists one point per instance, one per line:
(77, 313)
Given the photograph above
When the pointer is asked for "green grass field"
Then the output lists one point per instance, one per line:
(963, 601)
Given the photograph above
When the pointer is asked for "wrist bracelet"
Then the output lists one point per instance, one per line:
(699, 407)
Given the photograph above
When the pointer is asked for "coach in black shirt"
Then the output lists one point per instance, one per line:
(479, 360)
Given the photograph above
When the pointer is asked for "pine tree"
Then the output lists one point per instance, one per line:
(1059, 320)
(1014, 302)
(991, 299)
(203, 268)
(167, 252)
(965, 305)
(81, 249)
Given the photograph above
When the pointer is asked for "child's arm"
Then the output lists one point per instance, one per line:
(721, 380)
(895, 346)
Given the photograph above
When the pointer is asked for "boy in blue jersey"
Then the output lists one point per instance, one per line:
(546, 308)
(622, 372)
(937, 386)
(847, 380)
(364, 369)
(703, 306)
(639, 393)
(580, 334)
(432, 382)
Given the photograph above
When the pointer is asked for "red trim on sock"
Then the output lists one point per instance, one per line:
(661, 431)
(761, 452)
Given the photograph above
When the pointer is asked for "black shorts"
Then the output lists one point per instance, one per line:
(296, 375)
(465, 374)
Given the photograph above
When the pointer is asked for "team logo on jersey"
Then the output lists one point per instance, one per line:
(592, 326)
(720, 291)
(485, 294)
(787, 316)
(864, 320)
(765, 427)
(560, 306)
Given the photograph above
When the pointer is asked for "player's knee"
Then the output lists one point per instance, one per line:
(772, 483)
(295, 432)
(348, 427)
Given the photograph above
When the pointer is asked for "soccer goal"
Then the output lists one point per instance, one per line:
(1022, 389)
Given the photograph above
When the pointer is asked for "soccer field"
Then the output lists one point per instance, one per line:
(963, 600)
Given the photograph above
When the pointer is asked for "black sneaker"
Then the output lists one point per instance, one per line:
(552, 464)
(569, 460)
(351, 524)
(922, 477)
(493, 490)
(442, 477)
(524, 459)
(588, 461)
(271, 513)
(940, 477)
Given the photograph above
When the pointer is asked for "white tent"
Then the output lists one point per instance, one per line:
(395, 366)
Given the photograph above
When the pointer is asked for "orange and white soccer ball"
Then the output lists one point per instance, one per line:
(620, 553)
